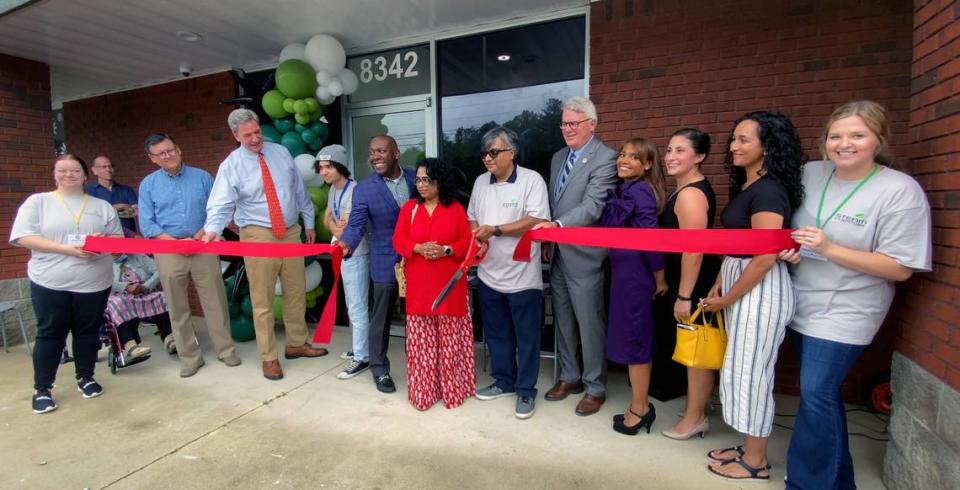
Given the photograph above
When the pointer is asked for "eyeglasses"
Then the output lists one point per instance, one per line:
(423, 180)
(69, 171)
(493, 153)
(572, 124)
(165, 153)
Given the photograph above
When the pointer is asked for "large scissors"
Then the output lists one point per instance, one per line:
(475, 255)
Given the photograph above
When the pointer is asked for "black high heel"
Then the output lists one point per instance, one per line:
(646, 420)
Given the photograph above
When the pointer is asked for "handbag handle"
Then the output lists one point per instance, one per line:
(707, 322)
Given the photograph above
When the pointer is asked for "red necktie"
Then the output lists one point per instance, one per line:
(277, 224)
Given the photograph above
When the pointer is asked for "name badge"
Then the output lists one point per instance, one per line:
(810, 253)
(76, 239)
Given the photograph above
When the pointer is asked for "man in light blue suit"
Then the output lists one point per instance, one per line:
(376, 202)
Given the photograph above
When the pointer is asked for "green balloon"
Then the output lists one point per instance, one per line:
(234, 310)
(241, 329)
(302, 118)
(315, 116)
(311, 295)
(273, 104)
(300, 107)
(230, 283)
(296, 79)
(270, 134)
(319, 196)
(278, 308)
(308, 136)
(299, 128)
(246, 306)
(293, 142)
(312, 104)
(284, 125)
(321, 130)
(311, 303)
(315, 144)
(288, 104)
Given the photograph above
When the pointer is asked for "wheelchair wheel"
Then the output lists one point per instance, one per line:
(112, 360)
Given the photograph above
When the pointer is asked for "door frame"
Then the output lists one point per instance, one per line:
(390, 107)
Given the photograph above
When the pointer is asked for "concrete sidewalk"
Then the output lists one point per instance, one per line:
(231, 428)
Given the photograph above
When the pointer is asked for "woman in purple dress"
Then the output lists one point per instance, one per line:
(637, 277)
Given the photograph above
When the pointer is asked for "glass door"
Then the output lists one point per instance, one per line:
(407, 123)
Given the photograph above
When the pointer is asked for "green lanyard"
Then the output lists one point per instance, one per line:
(823, 195)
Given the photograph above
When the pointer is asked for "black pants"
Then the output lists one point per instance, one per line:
(384, 302)
(129, 330)
(59, 313)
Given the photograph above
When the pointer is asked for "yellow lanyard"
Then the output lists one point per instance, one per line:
(76, 216)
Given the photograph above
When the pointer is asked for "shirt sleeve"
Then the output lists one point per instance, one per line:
(402, 242)
(112, 226)
(27, 221)
(771, 198)
(905, 234)
(357, 223)
(147, 215)
(459, 222)
(537, 202)
(304, 204)
(222, 201)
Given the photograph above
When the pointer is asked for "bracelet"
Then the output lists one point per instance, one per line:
(683, 298)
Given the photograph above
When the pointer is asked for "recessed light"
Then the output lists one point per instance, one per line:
(188, 36)
(503, 57)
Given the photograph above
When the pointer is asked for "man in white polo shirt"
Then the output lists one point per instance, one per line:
(507, 201)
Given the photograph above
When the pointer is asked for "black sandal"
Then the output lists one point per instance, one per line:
(738, 449)
(754, 472)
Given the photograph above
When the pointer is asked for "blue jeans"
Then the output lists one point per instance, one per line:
(819, 453)
(355, 272)
(511, 328)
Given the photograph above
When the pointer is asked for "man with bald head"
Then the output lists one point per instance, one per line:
(122, 197)
(376, 202)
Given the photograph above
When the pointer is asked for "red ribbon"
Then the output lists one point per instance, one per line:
(324, 331)
(720, 242)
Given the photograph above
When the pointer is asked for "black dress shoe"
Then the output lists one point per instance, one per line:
(385, 383)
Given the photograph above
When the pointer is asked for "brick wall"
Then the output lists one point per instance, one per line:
(26, 148)
(658, 65)
(929, 310)
(116, 124)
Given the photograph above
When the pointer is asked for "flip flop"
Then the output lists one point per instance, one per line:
(754, 476)
(738, 449)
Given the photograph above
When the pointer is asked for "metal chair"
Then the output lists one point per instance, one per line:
(5, 307)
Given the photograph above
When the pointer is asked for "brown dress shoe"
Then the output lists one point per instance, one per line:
(590, 404)
(272, 370)
(305, 350)
(562, 389)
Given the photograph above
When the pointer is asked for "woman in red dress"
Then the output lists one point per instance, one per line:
(433, 236)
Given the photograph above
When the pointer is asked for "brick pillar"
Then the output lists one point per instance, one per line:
(26, 163)
(924, 445)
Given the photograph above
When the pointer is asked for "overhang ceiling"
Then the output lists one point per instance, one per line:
(100, 46)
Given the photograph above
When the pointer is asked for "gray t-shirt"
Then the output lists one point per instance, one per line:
(890, 215)
(340, 202)
(46, 215)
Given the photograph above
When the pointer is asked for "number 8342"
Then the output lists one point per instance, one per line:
(403, 65)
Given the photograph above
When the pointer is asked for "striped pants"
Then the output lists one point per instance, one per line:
(756, 325)
(440, 363)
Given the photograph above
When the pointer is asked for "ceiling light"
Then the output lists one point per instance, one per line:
(503, 57)
(189, 36)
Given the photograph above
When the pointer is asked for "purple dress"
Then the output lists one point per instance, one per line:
(630, 330)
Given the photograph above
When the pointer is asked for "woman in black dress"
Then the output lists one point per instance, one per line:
(688, 275)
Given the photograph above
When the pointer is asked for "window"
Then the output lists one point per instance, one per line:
(516, 78)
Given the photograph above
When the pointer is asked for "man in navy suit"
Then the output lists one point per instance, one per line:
(376, 202)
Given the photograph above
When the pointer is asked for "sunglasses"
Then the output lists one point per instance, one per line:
(493, 153)
(423, 180)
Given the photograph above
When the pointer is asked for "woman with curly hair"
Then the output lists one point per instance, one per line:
(755, 292)
(433, 235)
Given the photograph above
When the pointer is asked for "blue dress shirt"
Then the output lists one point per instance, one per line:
(174, 204)
(238, 190)
(120, 194)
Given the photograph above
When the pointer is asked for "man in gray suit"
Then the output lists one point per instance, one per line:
(580, 176)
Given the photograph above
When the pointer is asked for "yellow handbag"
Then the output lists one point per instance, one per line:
(701, 344)
(398, 268)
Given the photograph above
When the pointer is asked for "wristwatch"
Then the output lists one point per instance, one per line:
(447, 250)
(497, 231)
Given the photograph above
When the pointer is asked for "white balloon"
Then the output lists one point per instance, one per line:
(314, 275)
(322, 93)
(278, 288)
(326, 100)
(335, 88)
(348, 80)
(325, 53)
(304, 165)
(316, 181)
(323, 78)
(294, 51)
(223, 266)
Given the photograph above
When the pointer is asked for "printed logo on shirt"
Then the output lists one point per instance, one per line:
(513, 203)
(859, 219)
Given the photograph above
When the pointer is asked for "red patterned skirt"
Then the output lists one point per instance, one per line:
(440, 363)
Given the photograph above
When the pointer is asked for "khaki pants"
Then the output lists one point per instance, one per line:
(175, 272)
(262, 273)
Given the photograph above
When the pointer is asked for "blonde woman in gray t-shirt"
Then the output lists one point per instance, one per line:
(861, 227)
(68, 285)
